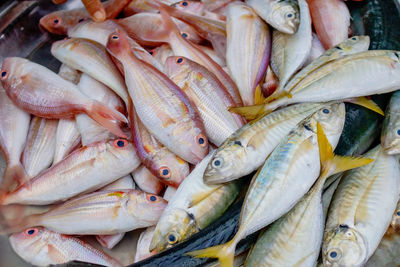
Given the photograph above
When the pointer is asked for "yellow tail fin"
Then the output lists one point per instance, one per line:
(225, 253)
(258, 96)
(366, 103)
(331, 163)
(249, 112)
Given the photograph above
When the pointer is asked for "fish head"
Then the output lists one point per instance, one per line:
(59, 22)
(12, 70)
(30, 242)
(145, 206)
(285, 17)
(173, 228)
(120, 148)
(353, 45)
(225, 162)
(332, 118)
(344, 246)
(118, 44)
(190, 7)
(177, 68)
(390, 137)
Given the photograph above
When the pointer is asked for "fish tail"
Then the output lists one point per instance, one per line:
(18, 224)
(14, 173)
(107, 118)
(366, 103)
(225, 253)
(258, 96)
(249, 112)
(331, 163)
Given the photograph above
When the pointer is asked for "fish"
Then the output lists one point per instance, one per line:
(387, 252)
(208, 94)
(14, 129)
(160, 104)
(89, 129)
(296, 155)
(59, 22)
(42, 247)
(146, 181)
(182, 47)
(317, 49)
(390, 137)
(361, 211)
(143, 244)
(290, 51)
(159, 160)
(161, 53)
(95, 164)
(338, 78)
(284, 15)
(248, 49)
(43, 93)
(136, 26)
(194, 206)
(91, 58)
(304, 224)
(139, 6)
(331, 20)
(98, 213)
(40, 146)
(169, 193)
(110, 241)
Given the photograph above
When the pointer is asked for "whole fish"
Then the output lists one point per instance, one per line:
(182, 47)
(387, 253)
(331, 20)
(42, 247)
(43, 93)
(138, 25)
(290, 51)
(14, 129)
(142, 248)
(91, 58)
(159, 160)
(297, 155)
(40, 146)
(317, 49)
(89, 129)
(98, 213)
(86, 169)
(337, 78)
(248, 49)
(146, 181)
(193, 207)
(110, 241)
(361, 211)
(304, 224)
(67, 136)
(390, 137)
(160, 104)
(59, 22)
(282, 15)
(208, 94)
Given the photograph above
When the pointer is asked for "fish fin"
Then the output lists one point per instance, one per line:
(106, 117)
(9, 226)
(258, 96)
(225, 253)
(55, 254)
(366, 103)
(15, 173)
(331, 163)
(277, 95)
(248, 112)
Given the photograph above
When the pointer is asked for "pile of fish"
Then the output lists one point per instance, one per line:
(187, 97)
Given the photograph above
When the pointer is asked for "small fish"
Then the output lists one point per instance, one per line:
(143, 244)
(91, 58)
(14, 129)
(138, 25)
(304, 224)
(43, 93)
(42, 247)
(248, 49)
(94, 164)
(89, 129)
(390, 137)
(331, 20)
(361, 211)
(159, 160)
(40, 146)
(282, 15)
(208, 94)
(146, 181)
(99, 213)
(160, 104)
(297, 155)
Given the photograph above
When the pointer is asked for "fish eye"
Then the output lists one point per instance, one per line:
(201, 140)
(238, 143)
(334, 254)
(172, 239)
(398, 131)
(217, 162)
(31, 232)
(325, 110)
(354, 38)
(165, 172)
(398, 213)
(56, 21)
(152, 198)
(4, 75)
(185, 35)
(289, 15)
(183, 3)
(180, 60)
(80, 20)
(120, 143)
(115, 37)
(152, 52)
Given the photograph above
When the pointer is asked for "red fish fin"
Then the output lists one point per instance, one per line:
(8, 226)
(14, 174)
(107, 118)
